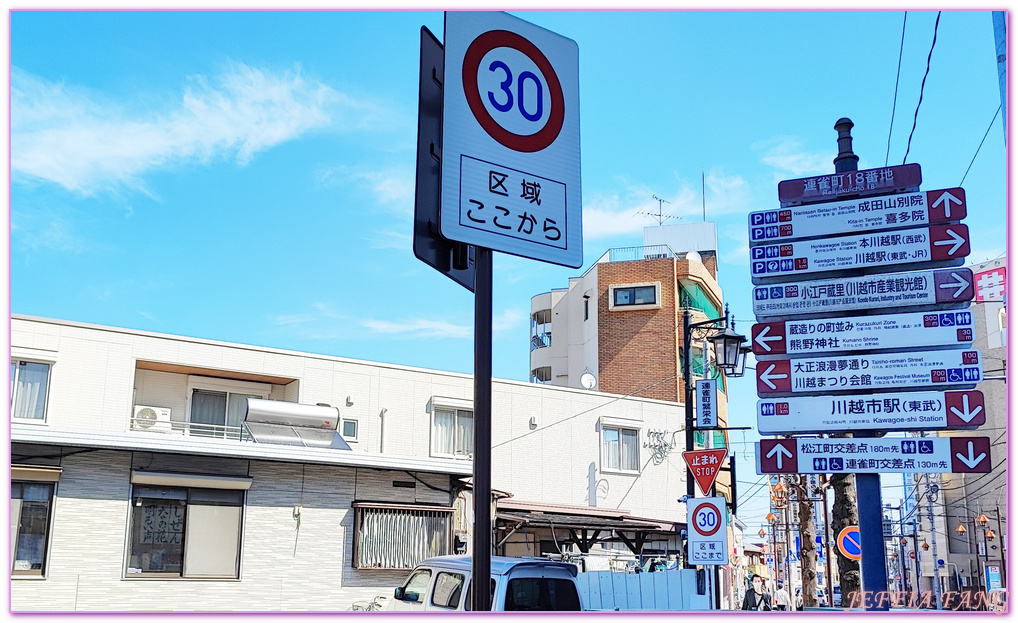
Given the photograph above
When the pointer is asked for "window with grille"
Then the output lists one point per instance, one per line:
(391, 536)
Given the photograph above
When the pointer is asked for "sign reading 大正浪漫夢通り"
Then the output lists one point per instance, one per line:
(913, 330)
(857, 215)
(923, 410)
(944, 287)
(855, 373)
(511, 138)
(934, 455)
(882, 181)
(939, 245)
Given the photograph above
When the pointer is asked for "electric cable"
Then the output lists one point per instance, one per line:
(897, 77)
(922, 87)
(987, 133)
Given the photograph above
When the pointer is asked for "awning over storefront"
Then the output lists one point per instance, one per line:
(584, 525)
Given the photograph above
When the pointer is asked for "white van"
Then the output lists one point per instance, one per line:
(517, 584)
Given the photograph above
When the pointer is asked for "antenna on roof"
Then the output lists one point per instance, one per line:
(660, 216)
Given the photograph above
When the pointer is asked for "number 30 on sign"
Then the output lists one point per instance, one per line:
(707, 531)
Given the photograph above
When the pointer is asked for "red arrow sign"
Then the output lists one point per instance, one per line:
(773, 377)
(948, 242)
(705, 465)
(769, 338)
(965, 409)
(946, 205)
(778, 456)
(970, 455)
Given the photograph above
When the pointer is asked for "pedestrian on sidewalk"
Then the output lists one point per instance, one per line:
(781, 598)
(756, 599)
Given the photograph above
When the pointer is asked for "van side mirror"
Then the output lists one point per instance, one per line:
(398, 594)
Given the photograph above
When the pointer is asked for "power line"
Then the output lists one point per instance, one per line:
(987, 133)
(922, 87)
(894, 103)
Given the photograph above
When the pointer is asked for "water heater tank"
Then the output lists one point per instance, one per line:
(291, 414)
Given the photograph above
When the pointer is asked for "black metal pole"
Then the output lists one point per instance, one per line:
(867, 486)
(481, 567)
(687, 397)
(1003, 563)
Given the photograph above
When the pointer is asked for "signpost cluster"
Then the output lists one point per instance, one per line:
(863, 327)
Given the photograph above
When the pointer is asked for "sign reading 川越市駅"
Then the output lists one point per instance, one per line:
(913, 330)
(944, 287)
(923, 410)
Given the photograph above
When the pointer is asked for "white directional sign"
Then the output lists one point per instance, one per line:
(511, 138)
(911, 370)
(924, 410)
(913, 330)
(919, 288)
(707, 532)
(935, 455)
(857, 215)
(940, 243)
(706, 403)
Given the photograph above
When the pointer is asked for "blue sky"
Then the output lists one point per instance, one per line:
(249, 176)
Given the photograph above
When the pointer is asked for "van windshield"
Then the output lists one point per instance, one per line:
(542, 594)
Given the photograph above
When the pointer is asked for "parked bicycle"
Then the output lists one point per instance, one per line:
(375, 604)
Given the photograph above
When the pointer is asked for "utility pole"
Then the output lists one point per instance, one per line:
(807, 542)
(931, 492)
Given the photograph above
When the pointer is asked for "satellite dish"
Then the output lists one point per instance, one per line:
(588, 380)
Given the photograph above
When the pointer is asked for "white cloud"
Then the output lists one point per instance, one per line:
(38, 228)
(394, 187)
(86, 142)
(417, 328)
(389, 239)
(786, 154)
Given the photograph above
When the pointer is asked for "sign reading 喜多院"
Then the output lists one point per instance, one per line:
(944, 287)
(857, 215)
(924, 410)
(913, 330)
(511, 138)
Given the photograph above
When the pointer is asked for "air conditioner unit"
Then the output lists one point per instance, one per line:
(152, 419)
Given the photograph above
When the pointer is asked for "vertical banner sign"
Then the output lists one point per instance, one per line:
(511, 138)
(708, 531)
(706, 403)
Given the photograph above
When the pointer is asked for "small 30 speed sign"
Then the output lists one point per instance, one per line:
(511, 138)
(707, 534)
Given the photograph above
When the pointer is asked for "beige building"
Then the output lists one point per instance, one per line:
(136, 484)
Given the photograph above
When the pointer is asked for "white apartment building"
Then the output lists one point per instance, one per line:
(136, 486)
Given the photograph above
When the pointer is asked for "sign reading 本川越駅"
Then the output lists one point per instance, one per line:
(912, 330)
(923, 410)
(944, 287)
(857, 215)
(915, 370)
(944, 244)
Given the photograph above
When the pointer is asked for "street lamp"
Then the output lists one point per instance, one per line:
(762, 533)
(960, 529)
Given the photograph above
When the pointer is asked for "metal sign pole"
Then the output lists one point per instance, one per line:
(867, 486)
(481, 569)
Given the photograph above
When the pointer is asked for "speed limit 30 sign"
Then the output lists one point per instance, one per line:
(511, 138)
(707, 530)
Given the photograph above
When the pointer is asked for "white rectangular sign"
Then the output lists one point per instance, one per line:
(913, 330)
(706, 403)
(885, 411)
(945, 244)
(909, 370)
(707, 531)
(511, 138)
(857, 215)
(935, 455)
(921, 288)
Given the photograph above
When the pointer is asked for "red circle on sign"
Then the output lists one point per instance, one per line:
(472, 61)
(716, 512)
(846, 534)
